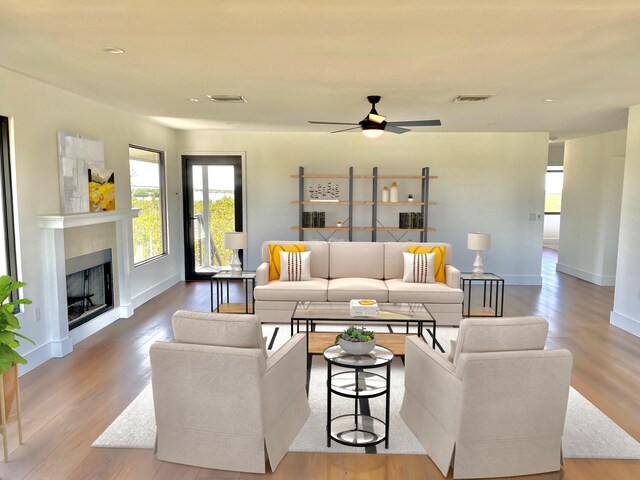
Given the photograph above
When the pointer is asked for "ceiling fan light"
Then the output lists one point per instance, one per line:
(372, 132)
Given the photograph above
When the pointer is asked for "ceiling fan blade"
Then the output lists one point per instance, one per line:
(347, 129)
(394, 129)
(375, 118)
(332, 123)
(417, 123)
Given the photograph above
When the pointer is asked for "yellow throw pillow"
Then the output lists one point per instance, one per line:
(439, 261)
(274, 257)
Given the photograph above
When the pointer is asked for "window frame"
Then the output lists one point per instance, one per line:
(6, 200)
(553, 169)
(164, 217)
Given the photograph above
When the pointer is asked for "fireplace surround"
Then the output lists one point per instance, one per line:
(55, 274)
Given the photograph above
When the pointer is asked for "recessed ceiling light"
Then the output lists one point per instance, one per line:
(549, 99)
(192, 99)
(114, 50)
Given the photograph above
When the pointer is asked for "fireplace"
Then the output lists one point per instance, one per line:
(89, 287)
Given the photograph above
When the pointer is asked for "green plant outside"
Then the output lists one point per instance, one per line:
(9, 323)
(147, 227)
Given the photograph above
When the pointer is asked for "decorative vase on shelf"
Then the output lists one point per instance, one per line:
(410, 198)
(385, 195)
(393, 194)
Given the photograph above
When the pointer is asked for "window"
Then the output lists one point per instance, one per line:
(8, 253)
(553, 190)
(146, 167)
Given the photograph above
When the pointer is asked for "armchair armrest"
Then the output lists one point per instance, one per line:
(432, 379)
(285, 377)
(262, 274)
(452, 276)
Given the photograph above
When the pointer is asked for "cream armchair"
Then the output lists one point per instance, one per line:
(498, 408)
(220, 402)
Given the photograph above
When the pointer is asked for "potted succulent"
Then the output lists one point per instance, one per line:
(356, 341)
(9, 323)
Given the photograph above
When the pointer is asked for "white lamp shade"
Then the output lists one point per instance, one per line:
(235, 240)
(478, 241)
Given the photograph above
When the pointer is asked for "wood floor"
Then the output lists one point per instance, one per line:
(68, 402)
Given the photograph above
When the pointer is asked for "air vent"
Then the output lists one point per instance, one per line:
(472, 98)
(227, 98)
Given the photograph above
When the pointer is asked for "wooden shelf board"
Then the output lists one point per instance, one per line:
(234, 308)
(308, 202)
(326, 228)
(393, 341)
(482, 312)
(325, 176)
(418, 204)
(400, 177)
(396, 229)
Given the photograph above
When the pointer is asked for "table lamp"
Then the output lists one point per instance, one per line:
(235, 241)
(479, 242)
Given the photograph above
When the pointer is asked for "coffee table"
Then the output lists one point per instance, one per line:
(312, 313)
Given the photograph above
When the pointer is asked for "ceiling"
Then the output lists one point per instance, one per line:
(297, 60)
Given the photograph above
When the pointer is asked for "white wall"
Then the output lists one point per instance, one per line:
(487, 182)
(591, 196)
(626, 306)
(37, 111)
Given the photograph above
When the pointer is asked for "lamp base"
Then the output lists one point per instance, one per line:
(478, 266)
(236, 264)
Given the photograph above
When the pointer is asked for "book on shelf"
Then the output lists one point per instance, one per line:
(313, 219)
(411, 220)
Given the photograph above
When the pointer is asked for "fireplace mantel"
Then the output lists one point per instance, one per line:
(53, 227)
(83, 219)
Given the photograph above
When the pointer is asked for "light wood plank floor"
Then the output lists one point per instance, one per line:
(68, 402)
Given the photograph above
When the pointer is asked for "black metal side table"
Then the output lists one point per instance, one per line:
(224, 276)
(357, 382)
(492, 298)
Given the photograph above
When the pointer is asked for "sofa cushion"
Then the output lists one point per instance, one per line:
(479, 335)
(295, 266)
(274, 257)
(314, 290)
(419, 267)
(356, 260)
(393, 260)
(319, 257)
(219, 329)
(439, 253)
(400, 291)
(345, 289)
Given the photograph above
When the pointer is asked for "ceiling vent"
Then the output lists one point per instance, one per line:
(227, 98)
(472, 98)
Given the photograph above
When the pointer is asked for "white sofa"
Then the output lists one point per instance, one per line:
(341, 271)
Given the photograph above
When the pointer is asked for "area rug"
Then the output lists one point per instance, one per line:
(588, 433)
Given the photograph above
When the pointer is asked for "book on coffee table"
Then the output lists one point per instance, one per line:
(363, 307)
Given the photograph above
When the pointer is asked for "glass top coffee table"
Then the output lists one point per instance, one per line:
(313, 313)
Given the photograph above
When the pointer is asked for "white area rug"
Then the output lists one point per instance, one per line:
(588, 433)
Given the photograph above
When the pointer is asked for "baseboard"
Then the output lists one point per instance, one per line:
(603, 281)
(35, 358)
(625, 323)
(522, 279)
(154, 291)
(551, 241)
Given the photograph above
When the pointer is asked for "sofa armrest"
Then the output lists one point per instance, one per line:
(286, 375)
(433, 381)
(452, 276)
(262, 274)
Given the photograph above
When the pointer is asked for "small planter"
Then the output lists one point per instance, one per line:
(9, 383)
(357, 348)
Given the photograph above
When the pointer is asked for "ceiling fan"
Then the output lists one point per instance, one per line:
(374, 124)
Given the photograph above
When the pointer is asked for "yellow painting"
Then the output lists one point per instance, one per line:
(102, 192)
